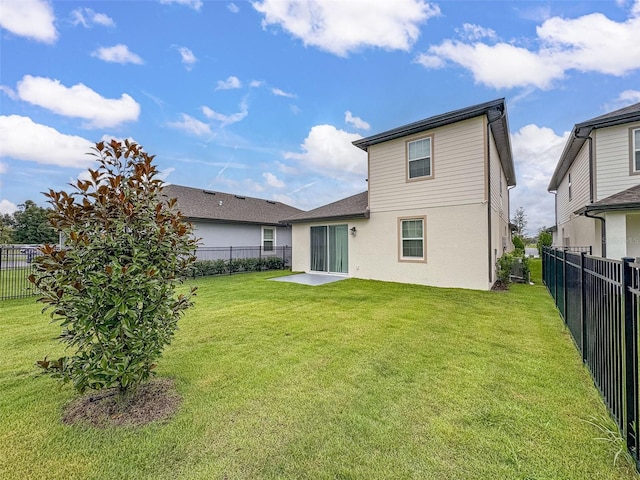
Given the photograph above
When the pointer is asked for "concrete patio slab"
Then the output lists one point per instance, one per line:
(312, 279)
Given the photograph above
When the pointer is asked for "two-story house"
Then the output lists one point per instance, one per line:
(597, 185)
(436, 211)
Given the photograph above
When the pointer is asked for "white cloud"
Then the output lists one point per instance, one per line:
(286, 169)
(164, 174)
(86, 17)
(195, 4)
(23, 139)
(256, 83)
(272, 180)
(7, 207)
(472, 32)
(329, 150)
(229, 84)
(628, 97)
(591, 43)
(357, 122)
(536, 151)
(9, 92)
(233, 8)
(192, 126)
(78, 101)
(29, 18)
(281, 93)
(188, 58)
(344, 27)
(226, 119)
(117, 54)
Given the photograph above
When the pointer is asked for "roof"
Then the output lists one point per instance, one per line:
(356, 206)
(496, 112)
(580, 133)
(196, 203)
(628, 199)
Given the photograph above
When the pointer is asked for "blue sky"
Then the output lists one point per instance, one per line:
(264, 98)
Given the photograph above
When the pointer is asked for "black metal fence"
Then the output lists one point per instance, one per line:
(598, 300)
(16, 264)
(15, 267)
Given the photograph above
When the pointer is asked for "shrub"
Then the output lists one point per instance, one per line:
(545, 239)
(518, 244)
(503, 269)
(112, 288)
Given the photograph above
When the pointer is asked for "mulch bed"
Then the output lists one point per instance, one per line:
(154, 401)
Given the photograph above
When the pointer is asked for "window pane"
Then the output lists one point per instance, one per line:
(268, 233)
(412, 248)
(638, 161)
(412, 229)
(420, 168)
(420, 149)
(636, 141)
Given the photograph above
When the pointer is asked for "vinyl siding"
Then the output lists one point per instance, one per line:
(213, 234)
(612, 154)
(579, 187)
(457, 168)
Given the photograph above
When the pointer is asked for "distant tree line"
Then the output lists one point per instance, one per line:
(28, 225)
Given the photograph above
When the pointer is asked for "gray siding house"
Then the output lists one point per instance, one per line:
(228, 220)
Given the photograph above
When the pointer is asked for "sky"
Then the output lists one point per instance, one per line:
(264, 98)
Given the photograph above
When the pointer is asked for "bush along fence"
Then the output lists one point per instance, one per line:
(598, 299)
(16, 266)
(230, 260)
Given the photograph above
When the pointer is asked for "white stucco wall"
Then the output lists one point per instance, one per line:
(456, 247)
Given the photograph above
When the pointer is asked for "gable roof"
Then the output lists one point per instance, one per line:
(196, 203)
(580, 133)
(624, 200)
(496, 112)
(355, 206)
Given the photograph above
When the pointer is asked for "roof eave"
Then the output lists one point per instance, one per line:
(354, 216)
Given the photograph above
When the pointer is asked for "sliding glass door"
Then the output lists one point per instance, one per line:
(330, 249)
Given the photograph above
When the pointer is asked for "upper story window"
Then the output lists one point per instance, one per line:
(268, 239)
(569, 185)
(635, 149)
(420, 159)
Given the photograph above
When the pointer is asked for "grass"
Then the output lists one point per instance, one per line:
(356, 379)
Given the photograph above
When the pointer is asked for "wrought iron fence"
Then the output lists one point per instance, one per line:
(598, 301)
(15, 266)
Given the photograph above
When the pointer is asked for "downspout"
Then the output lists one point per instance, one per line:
(603, 230)
(489, 243)
(603, 233)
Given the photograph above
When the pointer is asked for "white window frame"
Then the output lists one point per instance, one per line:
(401, 239)
(273, 240)
(635, 149)
(428, 157)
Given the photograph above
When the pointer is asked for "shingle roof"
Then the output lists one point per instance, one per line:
(496, 112)
(196, 203)
(626, 199)
(356, 206)
(580, 133)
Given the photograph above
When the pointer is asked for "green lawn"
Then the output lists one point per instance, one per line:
(356, 379)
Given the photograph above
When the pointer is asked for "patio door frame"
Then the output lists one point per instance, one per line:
(324, 248)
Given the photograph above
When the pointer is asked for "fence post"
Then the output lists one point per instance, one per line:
(583, 308)
(230, 259)
(564, 286)
(555, 276)
(631, 357)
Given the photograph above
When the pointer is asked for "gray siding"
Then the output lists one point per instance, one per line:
(236, 235)
(612, 152)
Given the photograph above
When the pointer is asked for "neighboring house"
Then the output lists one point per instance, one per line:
(436, 211)
(597, 185)
(227, 220)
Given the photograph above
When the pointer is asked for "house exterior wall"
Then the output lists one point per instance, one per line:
(500, 233)
(455, 257)
(458, 170)
(612, 160)
(236, 235)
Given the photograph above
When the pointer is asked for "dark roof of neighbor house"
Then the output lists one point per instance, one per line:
(580, 133)
(355, 206)
(496, 112)
(196, 203)
(624, 200)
